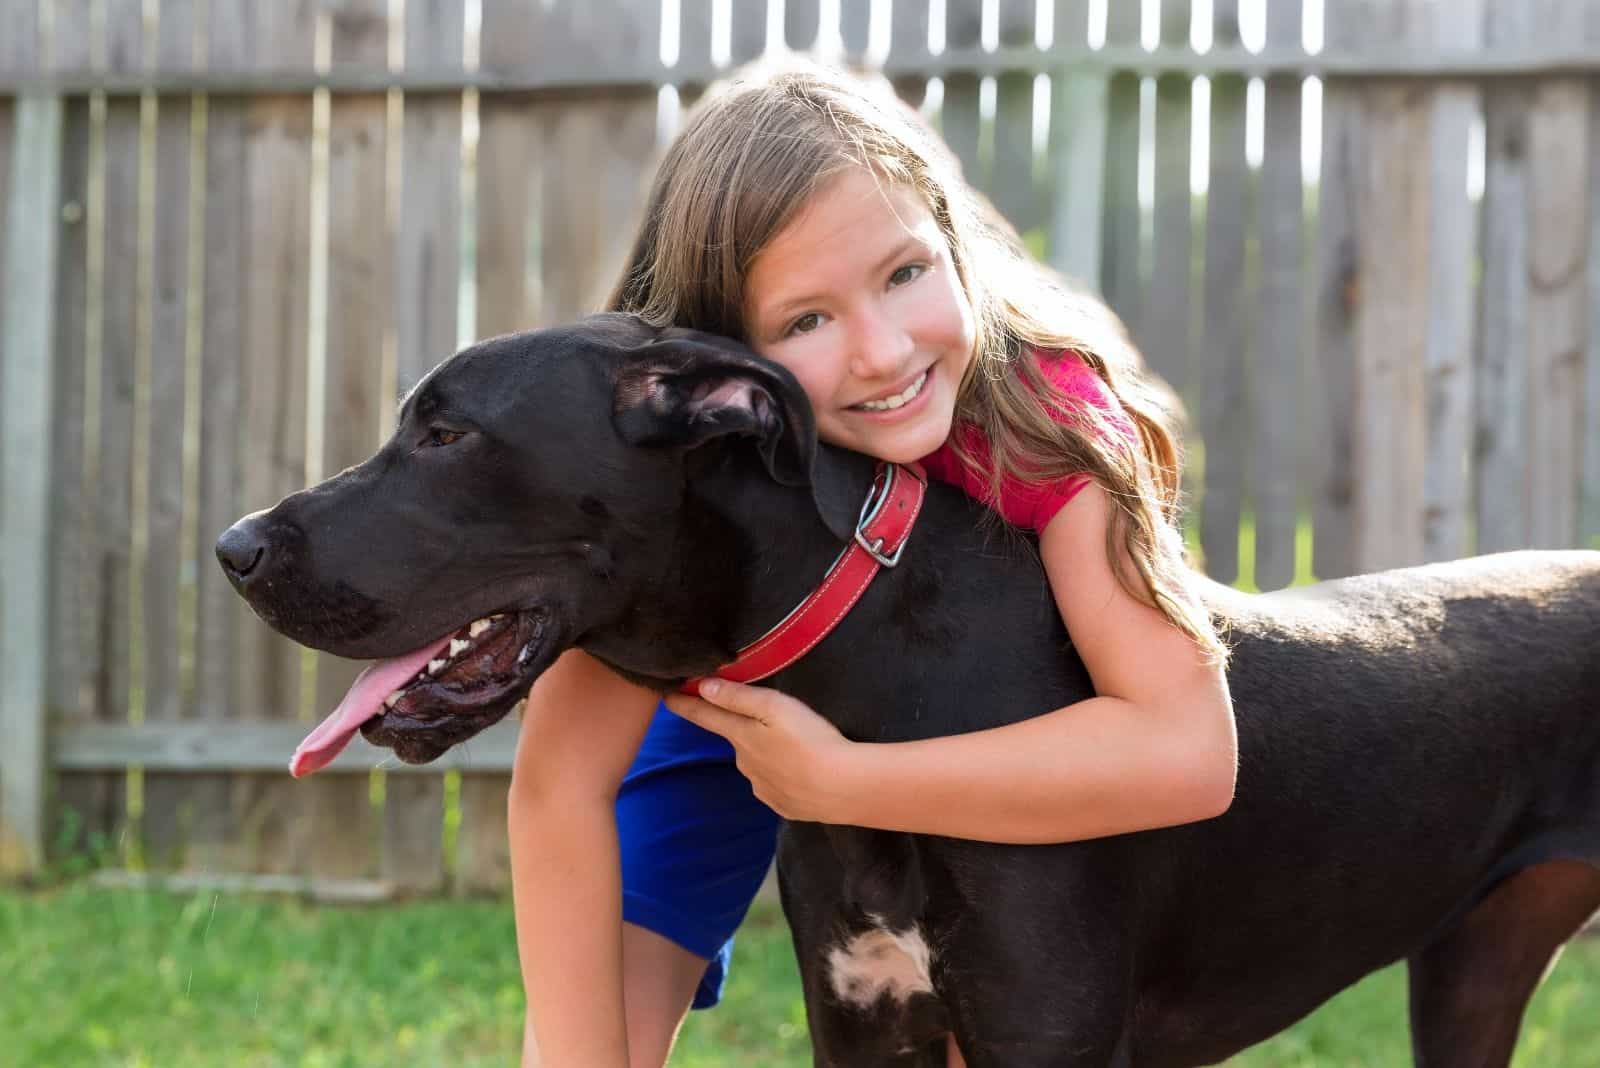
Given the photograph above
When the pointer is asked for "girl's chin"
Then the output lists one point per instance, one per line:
(896, 444)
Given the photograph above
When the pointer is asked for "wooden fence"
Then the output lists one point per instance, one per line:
(233, 232)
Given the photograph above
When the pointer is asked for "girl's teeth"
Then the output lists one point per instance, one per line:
(889, 404)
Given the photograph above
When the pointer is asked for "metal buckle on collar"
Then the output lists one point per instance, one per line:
(869, 511)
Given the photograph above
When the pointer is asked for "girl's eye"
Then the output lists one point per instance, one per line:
(438, 436)
(907, 273)
(805, 324)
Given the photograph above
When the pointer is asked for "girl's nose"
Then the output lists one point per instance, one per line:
(879, 346)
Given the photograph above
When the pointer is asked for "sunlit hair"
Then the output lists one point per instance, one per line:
(753, 153)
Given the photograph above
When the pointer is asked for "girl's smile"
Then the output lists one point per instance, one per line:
(859, 298)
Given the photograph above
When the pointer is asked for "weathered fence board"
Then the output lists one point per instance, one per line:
(1502, 372)
(1559, 187)
(1589, 520)
(1163, 329)
(30, 252)
(1120, 279)
(161, 417)
(1452, 237)
(960, 118)
(1280, 339)
(1392, 264)
(1012, 181)
(1338, 291)
(1075, 154)
(1222, 392)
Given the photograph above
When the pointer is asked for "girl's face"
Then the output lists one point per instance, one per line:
(858, 297)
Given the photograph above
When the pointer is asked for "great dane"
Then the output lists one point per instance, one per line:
(1419, 772)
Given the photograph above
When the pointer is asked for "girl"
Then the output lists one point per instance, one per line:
(830, 232)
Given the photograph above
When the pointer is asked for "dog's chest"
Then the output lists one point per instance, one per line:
(880, 962)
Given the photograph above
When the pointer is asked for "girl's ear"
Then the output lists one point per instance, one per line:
(687, 388)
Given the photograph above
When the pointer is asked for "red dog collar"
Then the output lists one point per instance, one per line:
(887, 516)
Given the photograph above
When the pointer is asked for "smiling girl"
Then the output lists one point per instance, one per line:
(829, 231)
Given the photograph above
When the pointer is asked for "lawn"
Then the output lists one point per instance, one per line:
(126, 978)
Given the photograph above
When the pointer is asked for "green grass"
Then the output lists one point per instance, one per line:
(101, 977)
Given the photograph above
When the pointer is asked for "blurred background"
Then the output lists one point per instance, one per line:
(1361, 238)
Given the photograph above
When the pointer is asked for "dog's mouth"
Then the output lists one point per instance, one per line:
(423, 703)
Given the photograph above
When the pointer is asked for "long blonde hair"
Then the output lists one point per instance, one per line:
(756, 150)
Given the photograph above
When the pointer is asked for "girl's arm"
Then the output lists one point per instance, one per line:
(580, 731)
(1155, 748)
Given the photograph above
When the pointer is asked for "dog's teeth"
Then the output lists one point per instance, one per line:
(393, 699)
(435, 666)
(457, 646)
(478, 628)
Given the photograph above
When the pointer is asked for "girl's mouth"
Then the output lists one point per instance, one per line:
(899, 400)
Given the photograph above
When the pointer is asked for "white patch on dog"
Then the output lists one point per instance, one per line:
(878, 962)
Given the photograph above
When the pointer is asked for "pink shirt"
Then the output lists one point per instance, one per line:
(1022, 504)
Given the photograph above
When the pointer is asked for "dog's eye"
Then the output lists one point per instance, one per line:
(439, 436)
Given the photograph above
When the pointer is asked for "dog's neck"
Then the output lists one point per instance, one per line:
(785, 545)
(761, 548)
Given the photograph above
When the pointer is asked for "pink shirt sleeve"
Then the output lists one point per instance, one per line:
(1022, 504)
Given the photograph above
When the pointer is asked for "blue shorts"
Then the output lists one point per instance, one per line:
(696, 843)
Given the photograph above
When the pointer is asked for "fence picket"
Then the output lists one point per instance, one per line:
(27, 373)
(1013, 185)
(1453, 239)
(164, 367)
(1559, 187)
(1501, 430)
(1223, 393)
(1331, 373)
(1120, 280)
(1280, 341)
(1076, 163)
(1163, 329)
(960, 121)
(908, 43)
(112, 519)
(1589, 518)
(72, 621)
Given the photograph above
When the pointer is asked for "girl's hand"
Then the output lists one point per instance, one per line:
(796, 761)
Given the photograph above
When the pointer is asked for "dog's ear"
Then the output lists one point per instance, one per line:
(687, 388)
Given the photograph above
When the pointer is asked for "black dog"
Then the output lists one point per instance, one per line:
(1419, 750)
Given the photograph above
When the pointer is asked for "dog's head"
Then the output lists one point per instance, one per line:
(538, 493)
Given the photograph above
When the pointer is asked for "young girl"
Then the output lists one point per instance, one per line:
(829, 231)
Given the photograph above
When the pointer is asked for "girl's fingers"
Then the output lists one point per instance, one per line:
(704, 714)
(752, 702)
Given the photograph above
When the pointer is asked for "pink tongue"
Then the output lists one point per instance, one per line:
(364, 701)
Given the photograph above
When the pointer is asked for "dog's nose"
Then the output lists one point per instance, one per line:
(242, 550)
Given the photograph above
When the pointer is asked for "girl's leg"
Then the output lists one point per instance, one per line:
(659, 980)
(695, 844)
